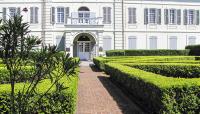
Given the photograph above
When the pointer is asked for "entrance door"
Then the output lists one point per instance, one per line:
(83, 50)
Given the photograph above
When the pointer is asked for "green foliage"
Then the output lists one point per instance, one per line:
(147, 53)
(157, 93)
(171, 70)
(193, 49)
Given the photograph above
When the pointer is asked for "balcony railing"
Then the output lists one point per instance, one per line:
(84, 18)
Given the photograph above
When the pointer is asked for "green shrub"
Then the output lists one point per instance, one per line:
(171, 70)
(157, 93)
(147, 52)
(193, 49)
(115, 53)
(52, 102)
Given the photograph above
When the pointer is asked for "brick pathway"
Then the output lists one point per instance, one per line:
(97, 95)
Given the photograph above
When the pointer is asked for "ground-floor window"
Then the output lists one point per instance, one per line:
(132, 42)
(107, 43)
(173, 42)
(192, 40)
(153, 42)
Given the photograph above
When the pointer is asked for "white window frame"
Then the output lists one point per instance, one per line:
(170, 38)
(172, 16)
(191, 17)
(152, 16)
(192, 37)
(153, 38)
(12, 11)
(132, 19)
(35, 13)
(60, 16)
(132, 37)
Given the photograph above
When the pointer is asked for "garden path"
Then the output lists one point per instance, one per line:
(98, 95)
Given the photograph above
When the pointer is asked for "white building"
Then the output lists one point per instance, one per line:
(86, 27)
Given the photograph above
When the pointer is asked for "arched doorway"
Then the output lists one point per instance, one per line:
(84, 46)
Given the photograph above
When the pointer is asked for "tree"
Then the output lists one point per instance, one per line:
(29, 65)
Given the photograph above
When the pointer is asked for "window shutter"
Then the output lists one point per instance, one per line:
(107, 43)
(153, 42)
(31, 15)
(52, 15)
(197, 17)
(159, 16)
(104, 14)
(129, 16)
(145, 16)
(166, 16)
(179, 17)
(4, 14)
(185, 17)
(36, 14)
(18, 11)
(66, 14)
(134, 15)
(109, 15)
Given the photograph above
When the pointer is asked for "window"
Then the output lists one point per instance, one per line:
(173, 43)
(60, 15)
(107, 15)
(34, 15)
(152, 16)
(132, 42)
(172, 16)
(153, 42)
(131, 15)
(191, 17)
(107, 43)
(13, 11)
(192, 40)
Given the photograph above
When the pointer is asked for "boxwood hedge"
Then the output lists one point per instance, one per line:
(147, 52)
(193, 49)
(52, 102)
(157, 93)
(171, 70)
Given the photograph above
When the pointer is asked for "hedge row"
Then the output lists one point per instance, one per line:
(194, 49)
(53, 102)
(157, 93)
(171, 70)
(100, 61)
(147, 52)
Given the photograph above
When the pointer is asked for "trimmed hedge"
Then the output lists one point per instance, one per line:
(171, 70)
(194, 49)
(157, 93)
(52, 102)
(147, 52)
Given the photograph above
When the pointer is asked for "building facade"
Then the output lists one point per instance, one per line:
(86, 28)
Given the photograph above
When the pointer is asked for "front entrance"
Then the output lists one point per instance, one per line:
(83, 48)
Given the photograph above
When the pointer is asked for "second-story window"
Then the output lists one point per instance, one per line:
(34, 15)
(131, 15)
(172, 16)
(60, 15)
(191, 17)
(152, 16)
(12, 11)
(107, 15)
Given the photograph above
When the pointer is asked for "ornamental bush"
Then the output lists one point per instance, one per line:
(157, 93)
(147, 52)
(193, 49)
(171, 70)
